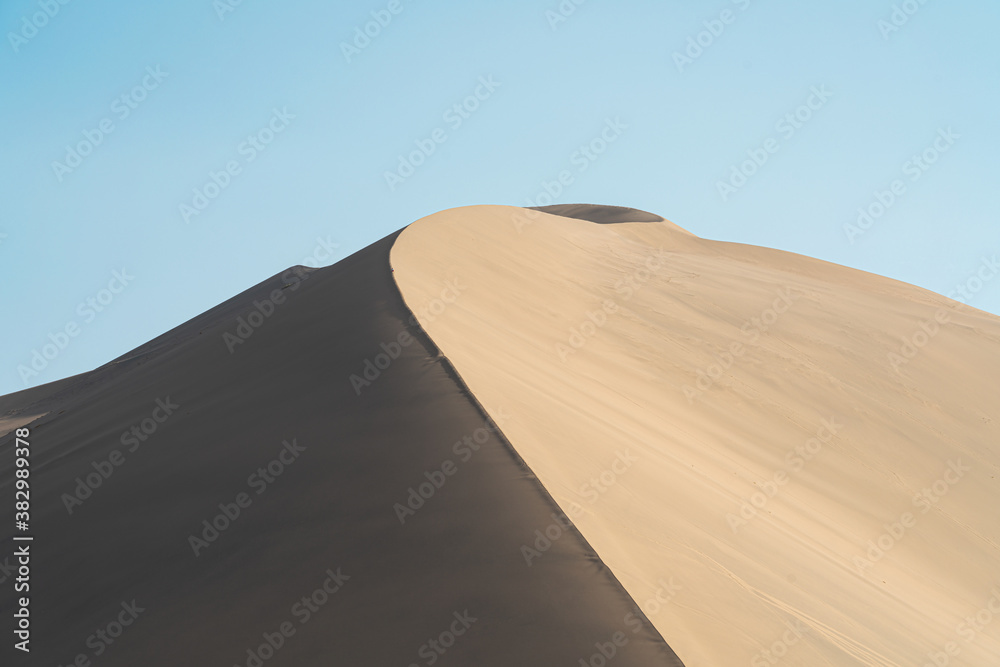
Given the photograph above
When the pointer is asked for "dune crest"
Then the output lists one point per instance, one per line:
(781, 459)
(297, 477)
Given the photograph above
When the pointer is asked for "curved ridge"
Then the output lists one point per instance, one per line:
(634, 617)
(767, 402)
(292, 429)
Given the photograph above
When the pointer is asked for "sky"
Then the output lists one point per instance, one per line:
(159, 158)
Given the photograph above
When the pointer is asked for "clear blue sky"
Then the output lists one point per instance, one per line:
(682, 126)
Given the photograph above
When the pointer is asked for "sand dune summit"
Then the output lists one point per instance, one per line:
(576, 435)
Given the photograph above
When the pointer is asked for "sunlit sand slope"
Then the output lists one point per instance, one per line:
(782, 460)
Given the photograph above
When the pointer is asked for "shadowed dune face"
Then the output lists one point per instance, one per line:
(599, 214)
(358, 507)
(808, 453)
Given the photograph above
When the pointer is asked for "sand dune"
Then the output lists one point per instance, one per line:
(298, 477)
(806, 454)
(576, 435)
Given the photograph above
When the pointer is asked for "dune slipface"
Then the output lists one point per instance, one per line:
(807, 454)
(298, 477)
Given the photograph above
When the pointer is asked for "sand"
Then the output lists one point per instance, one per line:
(320, 556)
(577, 435)
(805, 453)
